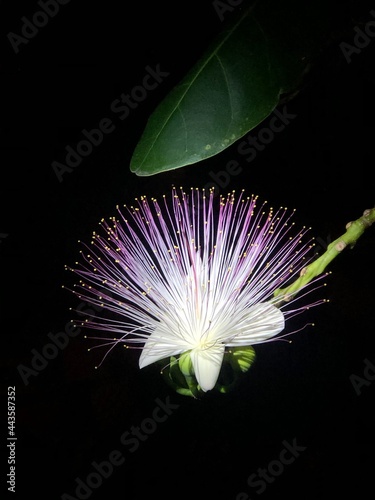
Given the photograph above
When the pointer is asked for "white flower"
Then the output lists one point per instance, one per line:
(195, 276)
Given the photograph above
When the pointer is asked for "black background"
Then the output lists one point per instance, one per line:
(322, 164)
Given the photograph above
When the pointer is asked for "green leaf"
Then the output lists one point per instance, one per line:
(236, 84)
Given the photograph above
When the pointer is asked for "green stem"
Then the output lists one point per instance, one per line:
(353, 232)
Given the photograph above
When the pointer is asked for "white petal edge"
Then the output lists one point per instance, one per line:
(263, 321)
(207, 364)
(155, 349)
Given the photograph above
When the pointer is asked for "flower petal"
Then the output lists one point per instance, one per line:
(157, 347)
(262, 322)
(207, 364)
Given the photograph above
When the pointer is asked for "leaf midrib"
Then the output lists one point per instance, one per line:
(204, 64)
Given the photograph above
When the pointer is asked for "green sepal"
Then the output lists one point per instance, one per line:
(237, 361)
(179, 373)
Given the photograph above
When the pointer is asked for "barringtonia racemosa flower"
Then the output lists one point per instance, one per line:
(193, 275)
